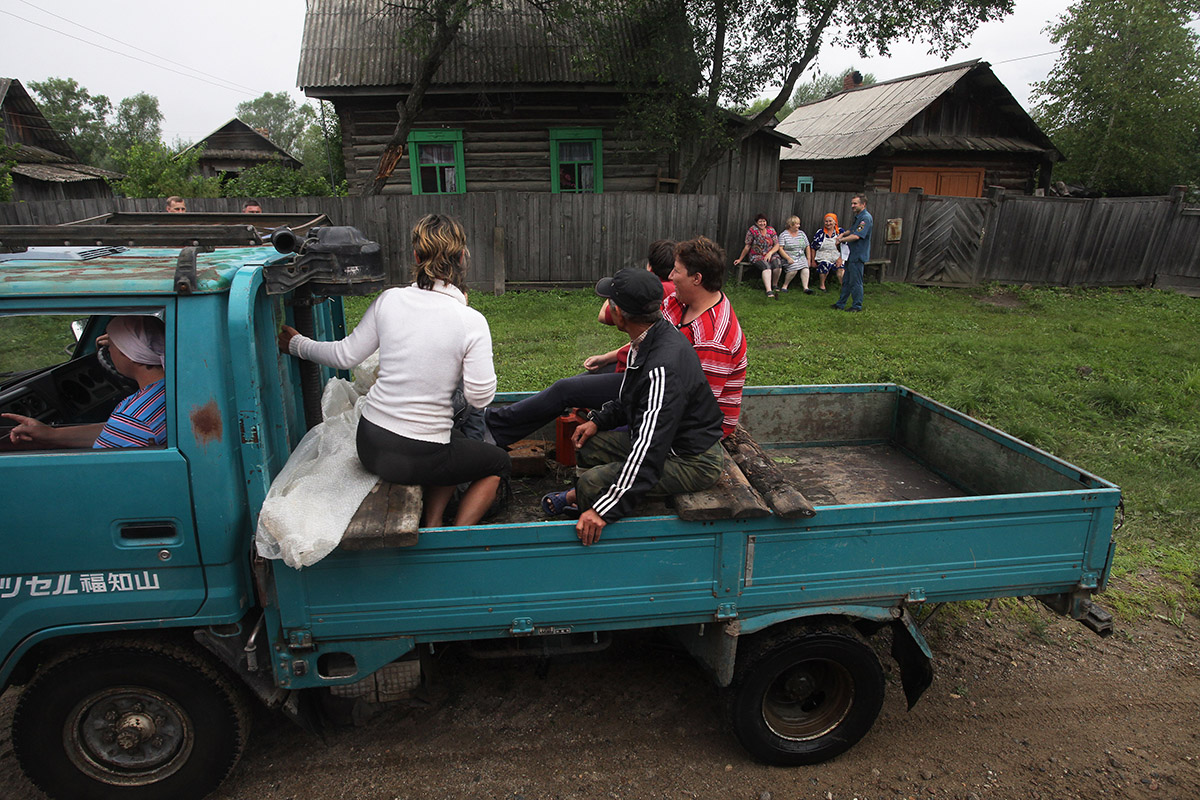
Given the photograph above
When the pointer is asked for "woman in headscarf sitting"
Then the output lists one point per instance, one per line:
(137, 347)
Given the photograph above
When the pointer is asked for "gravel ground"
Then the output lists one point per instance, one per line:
(1022, 706)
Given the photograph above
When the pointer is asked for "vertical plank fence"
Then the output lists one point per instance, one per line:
(542, 240)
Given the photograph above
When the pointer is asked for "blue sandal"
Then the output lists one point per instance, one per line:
(555, 504)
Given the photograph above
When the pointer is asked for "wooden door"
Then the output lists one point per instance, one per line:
(943, 181)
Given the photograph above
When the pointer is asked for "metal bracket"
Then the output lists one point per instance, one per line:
(521, 626)
(727, 611)
(300, 640)
(1089, 580)
(915, 596)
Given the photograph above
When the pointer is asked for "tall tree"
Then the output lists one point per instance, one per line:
(821, 85)
(81, 117)
(139, 121)
(746, 46)
(277, 114)
(1123, 99)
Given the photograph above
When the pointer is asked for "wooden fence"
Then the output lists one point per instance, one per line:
(525, 239)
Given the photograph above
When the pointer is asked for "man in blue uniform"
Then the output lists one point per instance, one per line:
(859, 241)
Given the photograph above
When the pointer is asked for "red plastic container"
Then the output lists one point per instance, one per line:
(564, 429)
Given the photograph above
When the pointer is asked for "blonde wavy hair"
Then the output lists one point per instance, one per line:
(440, 247)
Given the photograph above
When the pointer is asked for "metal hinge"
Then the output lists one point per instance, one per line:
(727, 611)
(748, 579)
(915, 596)
(521, 626)
(300, 640)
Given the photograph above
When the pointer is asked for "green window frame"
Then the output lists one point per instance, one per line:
(576, 165)
(435, 159)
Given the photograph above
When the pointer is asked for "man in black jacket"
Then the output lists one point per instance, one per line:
(673, 444)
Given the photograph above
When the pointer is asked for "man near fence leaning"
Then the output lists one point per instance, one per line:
(673, 441)
(859, 240)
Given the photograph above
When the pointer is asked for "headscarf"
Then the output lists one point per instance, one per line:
(827, 215)
(139, 342)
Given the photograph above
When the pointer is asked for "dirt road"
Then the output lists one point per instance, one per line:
(1022, 706)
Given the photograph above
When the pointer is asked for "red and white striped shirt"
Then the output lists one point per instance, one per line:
(718, 340)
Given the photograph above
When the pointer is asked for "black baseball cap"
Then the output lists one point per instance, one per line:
(634, 291)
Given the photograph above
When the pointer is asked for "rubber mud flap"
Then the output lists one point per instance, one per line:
(916, 670)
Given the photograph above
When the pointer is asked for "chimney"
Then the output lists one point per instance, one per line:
(852, 80)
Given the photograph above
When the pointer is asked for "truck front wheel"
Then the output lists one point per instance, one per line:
(804, 695)
(127, 720)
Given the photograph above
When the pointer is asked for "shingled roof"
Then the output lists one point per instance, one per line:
(354, 44)
(39, 150)
(854, 123)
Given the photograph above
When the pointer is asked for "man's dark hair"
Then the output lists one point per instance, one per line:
(662, 258)
(703, 255)
(862, 198)
(251, 202)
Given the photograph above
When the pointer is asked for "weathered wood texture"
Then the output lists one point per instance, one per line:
(541, 239)
(389, 516)
(506, 143)
(766, 476)
(732, 497)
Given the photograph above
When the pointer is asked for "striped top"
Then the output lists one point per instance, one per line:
(718, 340)
(139, 420)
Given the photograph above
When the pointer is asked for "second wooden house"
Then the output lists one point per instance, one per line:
(950, 131)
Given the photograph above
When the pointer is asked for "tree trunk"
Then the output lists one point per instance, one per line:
(710, 153)
(448, 16)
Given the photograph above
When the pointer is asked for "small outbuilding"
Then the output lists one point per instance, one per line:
(950, 131)
(235, 146)
(46, 167)
(514, 106)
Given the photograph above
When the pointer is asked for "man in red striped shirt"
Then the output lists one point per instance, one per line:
(702, 313)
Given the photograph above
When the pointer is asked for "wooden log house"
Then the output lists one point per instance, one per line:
(512, 108)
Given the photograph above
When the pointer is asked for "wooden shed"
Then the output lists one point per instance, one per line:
(46, 167)
(235, 146)
(951, 131)
(512, 108)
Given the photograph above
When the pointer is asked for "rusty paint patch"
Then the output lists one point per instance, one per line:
(206, 423)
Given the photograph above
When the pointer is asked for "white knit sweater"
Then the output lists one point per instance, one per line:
(428, 341)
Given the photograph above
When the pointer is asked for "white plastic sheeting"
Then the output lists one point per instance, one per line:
(315, 495)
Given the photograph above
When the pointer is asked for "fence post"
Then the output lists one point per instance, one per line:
(995, 198)
(915, 238)
(1152, 259)
(498, 261)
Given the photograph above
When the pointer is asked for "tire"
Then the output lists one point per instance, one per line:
(130, 720)
(805, 695)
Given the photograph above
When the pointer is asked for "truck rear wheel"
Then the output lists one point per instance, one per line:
(805, 695)
(130, 720)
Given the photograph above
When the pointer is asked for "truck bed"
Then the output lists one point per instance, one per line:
(915, 502)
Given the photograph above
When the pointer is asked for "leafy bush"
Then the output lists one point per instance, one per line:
(152, 170)
(276, 180)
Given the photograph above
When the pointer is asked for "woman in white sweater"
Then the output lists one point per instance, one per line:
(429, 342)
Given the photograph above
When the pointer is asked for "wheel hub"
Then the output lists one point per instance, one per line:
(128, 736)
(808, 700)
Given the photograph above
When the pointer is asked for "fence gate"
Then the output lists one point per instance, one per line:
(950, 233)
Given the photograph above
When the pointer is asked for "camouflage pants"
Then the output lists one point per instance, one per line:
(603, 456)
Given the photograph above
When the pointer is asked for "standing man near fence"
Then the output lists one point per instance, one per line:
(859, 241)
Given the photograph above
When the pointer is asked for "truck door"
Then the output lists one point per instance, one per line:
(90, 535)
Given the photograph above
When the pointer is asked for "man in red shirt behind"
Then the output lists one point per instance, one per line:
(702, 313)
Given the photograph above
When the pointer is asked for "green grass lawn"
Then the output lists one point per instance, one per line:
(1107, 379)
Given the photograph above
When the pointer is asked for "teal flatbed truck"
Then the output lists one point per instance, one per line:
(141, 624)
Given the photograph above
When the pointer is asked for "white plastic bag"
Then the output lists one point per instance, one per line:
(315, 495)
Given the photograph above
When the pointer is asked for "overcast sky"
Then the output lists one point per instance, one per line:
(202, 59)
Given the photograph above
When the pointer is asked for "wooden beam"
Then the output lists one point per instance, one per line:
(766, 477)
